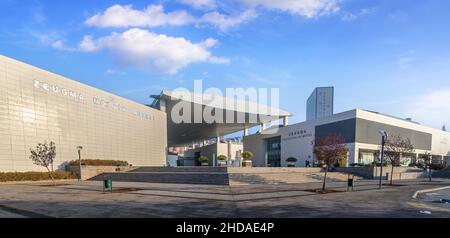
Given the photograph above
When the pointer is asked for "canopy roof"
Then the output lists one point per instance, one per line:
(225, 111)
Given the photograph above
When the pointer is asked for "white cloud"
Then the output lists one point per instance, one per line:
(88, 44)
(200, 4)
(115, 72)
(406, 60)
(126, 16)
(224, 22)
(431, 108)
(59, 44)
(146, 50)
(52, 39)
(306, 8)
(154, 15)
(348, 16)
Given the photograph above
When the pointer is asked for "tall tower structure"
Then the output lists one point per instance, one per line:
(320, 104)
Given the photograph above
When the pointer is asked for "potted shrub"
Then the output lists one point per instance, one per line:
(291, 161)
(246, 156)
(203, 160)
(222, 160)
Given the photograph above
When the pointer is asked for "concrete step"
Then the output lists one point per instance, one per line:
(218, 178)
(269, 178)
(179, 170)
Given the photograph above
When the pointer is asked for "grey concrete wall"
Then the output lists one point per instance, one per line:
(367, 132)
(88, 172)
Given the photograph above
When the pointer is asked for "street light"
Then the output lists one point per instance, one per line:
(79, 148)
(384, 136)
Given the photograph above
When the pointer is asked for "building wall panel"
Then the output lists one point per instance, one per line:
(71, 114)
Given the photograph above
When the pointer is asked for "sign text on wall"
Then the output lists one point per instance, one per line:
(58, 90)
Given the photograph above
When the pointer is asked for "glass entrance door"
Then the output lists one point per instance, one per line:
(274, 152)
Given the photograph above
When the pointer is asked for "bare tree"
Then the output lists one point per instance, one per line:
(426, 162)
(329, 151)
(43, 155)
(395, 148)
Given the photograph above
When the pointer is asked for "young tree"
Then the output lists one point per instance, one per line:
(426, 162)
(330, 150)
(43, 155)
(395, 148)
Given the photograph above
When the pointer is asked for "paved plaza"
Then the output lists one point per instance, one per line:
(86, 199)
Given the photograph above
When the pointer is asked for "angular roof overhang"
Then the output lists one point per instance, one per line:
(206, 116)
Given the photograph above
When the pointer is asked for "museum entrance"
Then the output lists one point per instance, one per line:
(274, 152)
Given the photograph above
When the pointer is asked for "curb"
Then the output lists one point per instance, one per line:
(429, 190)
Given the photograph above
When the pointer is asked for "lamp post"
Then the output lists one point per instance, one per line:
(384, 136)
(79, 148)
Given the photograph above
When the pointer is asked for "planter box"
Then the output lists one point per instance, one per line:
(205, 164)
(247, 163)
(222, 164)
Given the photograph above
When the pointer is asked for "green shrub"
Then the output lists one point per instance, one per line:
(203, 159)
(34, 176)
(247, 155)
(222, 158)
(97, 162)
(291, 160)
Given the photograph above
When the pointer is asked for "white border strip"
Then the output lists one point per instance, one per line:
(429, 190)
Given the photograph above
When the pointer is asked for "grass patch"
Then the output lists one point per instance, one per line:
(97, 162)
(34, 176)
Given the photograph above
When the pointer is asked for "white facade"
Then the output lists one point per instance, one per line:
(298, 140)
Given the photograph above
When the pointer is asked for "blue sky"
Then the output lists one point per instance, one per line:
(382, 55)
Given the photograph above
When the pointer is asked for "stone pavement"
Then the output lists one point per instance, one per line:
(86, 199)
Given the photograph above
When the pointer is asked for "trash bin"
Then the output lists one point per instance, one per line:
(107, 184)
(350, 182)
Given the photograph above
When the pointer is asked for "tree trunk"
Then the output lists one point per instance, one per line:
(392, 174)
(51, 176)
(325, 179)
